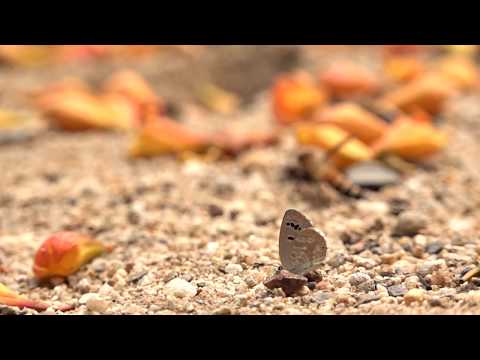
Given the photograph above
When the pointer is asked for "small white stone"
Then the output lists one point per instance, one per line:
(94, 302)
(83, 285)
(358, 278)
(233, 269)
(180, 288)
(211, 247)
(373, 207)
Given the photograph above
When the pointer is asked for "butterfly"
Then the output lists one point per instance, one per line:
(302, 247)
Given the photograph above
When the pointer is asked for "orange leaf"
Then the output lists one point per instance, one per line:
(62, 254)
(347, 80)
(429, 93)
(461, 70)
(403, 68)
(162, 135)
(295, 97)
(353, 119)
(411, 140)
(328, 137)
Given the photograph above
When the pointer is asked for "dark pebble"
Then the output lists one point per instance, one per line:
(133, 217)
(434, 248)
(215, 210)
(288, 282)
(397, 206)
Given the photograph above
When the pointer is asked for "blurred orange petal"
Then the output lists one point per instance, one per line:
(403, 49)
(411, 140)
(11, 298)
(234, 144)
(429, 93)
(461, 70)
(355, 120)
(162, 135)
(347, 80)
(62, 254)
(133, 86)
(218, 99)
(296, 97)
(328, 137)
(402, 69)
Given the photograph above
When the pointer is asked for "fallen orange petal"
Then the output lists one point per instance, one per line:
(233, 144)
(162, 135)
(403, 49)
(328, 137)
(429, 93)
(296, 97)
(62, 254)
(411, 140)
(11, 298)
(461, 70)
(401, 69)
(355, 120)
(347, 80)
(133, 86)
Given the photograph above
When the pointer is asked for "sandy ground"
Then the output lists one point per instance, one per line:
(214, 227)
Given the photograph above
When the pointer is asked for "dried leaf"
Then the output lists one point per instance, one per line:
(62, 254)
(402, 69)
(346, 80)
(296, 97)
(429, 93)
(411, 140)
(10, 298)
(355, 120)
(162, 135)
(328, 137)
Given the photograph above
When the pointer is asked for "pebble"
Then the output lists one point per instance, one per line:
(223, 311)
(233, 269)
(371, 175)
(412, 282)
(180, 288)
(94, 302)
(337, 260)
(215, 210)
(434, 248)
(430, 266)
(288, 282)
(409, 224)
(397, 290)
(373, 207)
(211, 247)
(414, 295)
(358, 278)
(83, 285)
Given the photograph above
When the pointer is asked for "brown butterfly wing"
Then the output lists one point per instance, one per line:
(308, 251)
(293, 224)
